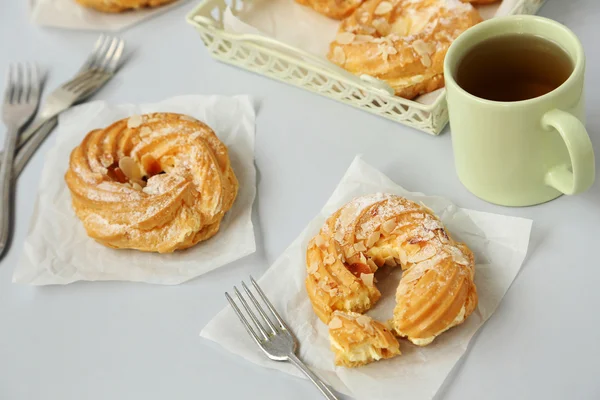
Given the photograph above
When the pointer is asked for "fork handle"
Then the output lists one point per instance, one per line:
(313, 377)
(6, 179)
(28, 149)
(28, 133)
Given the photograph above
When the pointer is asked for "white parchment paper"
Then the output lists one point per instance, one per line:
(302, 27)
(57, 249)
(71, 15)
(499, 243)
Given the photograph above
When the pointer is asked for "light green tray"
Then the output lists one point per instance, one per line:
(278, 60)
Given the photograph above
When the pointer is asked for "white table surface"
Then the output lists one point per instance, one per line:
(106, 340)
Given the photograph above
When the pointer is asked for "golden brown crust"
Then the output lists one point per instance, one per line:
(402, 42)
(436, 291)
(357, 340)
(434, 296)
(158, 182)
(117, 6)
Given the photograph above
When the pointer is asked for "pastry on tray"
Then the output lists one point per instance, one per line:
(357, 339)
(436, 291)
(156, 182)
(402, 42)
(117, 6)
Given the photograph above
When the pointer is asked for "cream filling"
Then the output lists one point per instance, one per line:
(425, 341)
(359, 353)
(357, 303)
(422, 342)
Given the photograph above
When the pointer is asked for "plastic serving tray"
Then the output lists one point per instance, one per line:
(280, 61)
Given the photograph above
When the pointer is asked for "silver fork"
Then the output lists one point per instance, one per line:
(98, 68)
(274, 337)
(21, 99)
(70, 91)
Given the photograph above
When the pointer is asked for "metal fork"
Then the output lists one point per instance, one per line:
(98, 68)
(70, 92)
(21, 99)
(274, 337)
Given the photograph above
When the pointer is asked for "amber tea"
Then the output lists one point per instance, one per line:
(513, 67)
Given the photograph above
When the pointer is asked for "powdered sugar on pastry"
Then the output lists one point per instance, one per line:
(436, 290)
(403, 42)
(168, 186)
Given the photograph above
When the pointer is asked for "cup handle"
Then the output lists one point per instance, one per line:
(581, 176)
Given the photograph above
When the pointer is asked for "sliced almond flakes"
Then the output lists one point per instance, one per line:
(373, 238)
(372, 264)
(389, 226)
(382, 26)
(130, 168)
(363, 259)
(335, 323)
(426, 61)
(339, 57)
(134, 121)
(345, 37)
(363, 321)
(319, 241)
(329, 259)
(358, 39)
(383, 8)
(145, 131)
(360, 246)
(367, 279)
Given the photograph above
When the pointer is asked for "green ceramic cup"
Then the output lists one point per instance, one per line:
(525, 152)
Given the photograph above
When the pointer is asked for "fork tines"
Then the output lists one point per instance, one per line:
(268, 326)
(272, 334)
(21, 99)
(106, 54)
(22, 83)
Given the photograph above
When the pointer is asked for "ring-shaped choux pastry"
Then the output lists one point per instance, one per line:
(156, 182)
(436, 291)
(402, 42)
